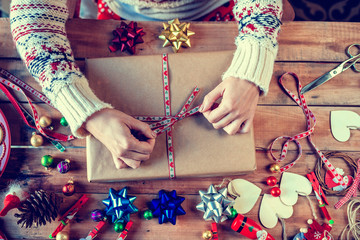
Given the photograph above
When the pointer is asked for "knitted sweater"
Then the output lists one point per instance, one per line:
(38, 29)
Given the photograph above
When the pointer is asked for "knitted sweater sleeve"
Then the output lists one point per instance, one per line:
(38, 29)
(259, 25)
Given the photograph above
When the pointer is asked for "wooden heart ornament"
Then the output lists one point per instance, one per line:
(341, 123)
(245, 194)
(271, 209)
(293, 185)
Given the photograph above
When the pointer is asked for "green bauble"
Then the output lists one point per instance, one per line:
(63, 122)
(118, 227)
(148, 215)
(47, 161)
(233, 213)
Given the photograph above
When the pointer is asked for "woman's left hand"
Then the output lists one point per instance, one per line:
(236, 110)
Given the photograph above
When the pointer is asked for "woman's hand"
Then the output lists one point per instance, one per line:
(236, 110)
(115, 130)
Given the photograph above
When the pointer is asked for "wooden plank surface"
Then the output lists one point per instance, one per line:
(306, 48)
(299, 41)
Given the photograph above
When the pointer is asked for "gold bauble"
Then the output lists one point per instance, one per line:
(36, 140)
(45, 121)
(207, 235)
(274, 168)
(62, 236)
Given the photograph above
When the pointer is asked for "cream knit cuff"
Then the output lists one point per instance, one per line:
(77, 102)
(253, 62)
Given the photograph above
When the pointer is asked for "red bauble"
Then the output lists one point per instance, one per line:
(68, 189)
(271, 181)
(275, 191)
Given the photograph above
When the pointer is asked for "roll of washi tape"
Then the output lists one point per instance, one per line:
(5, 141)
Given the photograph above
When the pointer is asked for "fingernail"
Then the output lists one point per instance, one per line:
(201, 108)
(154, 134)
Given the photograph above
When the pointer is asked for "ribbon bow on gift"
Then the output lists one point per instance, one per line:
(163, 123)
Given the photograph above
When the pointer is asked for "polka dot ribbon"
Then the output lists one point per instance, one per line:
(310, 128)
(4, 84)
(352, 192)
(163, 124)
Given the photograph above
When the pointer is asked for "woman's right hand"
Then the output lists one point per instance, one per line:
(114, 129)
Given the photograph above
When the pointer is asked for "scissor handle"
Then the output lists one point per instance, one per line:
(354, 58)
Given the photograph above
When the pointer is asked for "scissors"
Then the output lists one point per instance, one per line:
(351, 62)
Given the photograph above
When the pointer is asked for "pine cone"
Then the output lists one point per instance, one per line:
(38, 209)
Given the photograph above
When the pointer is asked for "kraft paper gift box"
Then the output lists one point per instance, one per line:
(134, 85)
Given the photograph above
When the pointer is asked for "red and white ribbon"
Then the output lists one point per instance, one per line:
(163, 124)
(352, 192)
(310, 128)
(4, 83)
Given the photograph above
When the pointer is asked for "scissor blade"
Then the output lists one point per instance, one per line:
(320, 80)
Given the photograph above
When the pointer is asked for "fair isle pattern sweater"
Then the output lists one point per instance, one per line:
(38, 29)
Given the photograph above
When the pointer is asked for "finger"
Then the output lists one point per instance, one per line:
(226, 120)
(143, 147)
(131, 163)
(218, 113)
(144, 129)
(233, 127)
(132, 155)
(246, 126)
(119, 163)
(210, 98)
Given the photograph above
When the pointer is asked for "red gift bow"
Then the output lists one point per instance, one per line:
(164, 123)
(126, 37)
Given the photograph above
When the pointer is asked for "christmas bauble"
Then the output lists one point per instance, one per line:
(207, 235)
(62, 236)
(118, 227)
(271, 181)
(63, 122)
(45, 121)
(36, 140)
(233, 213)
(69, 188)
(63, 166)
(47, 160)
(97, 215)
(274, 168)
(148, 215)
(275, 191)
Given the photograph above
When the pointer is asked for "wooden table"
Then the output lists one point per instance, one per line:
(306, 48)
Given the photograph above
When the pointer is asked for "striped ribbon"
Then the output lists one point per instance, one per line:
(163, 124)
(309, 116)
(352, 192)
(4, 83)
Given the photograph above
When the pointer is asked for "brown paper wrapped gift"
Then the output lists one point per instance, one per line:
(134, 85)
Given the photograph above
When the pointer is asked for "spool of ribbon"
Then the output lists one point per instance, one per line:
(5, 142)
(15, 83)
(126, 37)
(301, 102)
(352, 192)
(161, 124)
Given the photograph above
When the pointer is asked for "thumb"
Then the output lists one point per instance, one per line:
(210, 98)
(144, 129)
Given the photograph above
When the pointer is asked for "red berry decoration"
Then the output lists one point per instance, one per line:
(69, 188)
(275, 191)
(271, 181)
